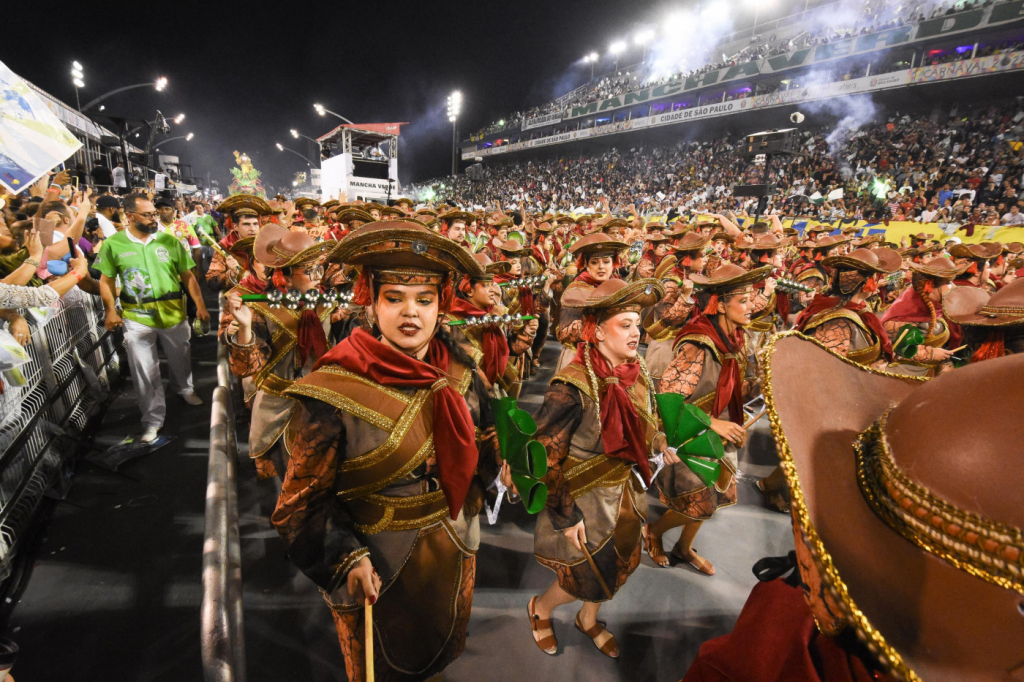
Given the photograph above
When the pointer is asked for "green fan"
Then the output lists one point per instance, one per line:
(688, 430)
(478, 242)
(526, 457)
(909, 338)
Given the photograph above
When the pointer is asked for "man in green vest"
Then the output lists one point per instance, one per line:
(152, 265)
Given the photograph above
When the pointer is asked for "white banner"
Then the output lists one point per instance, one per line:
(538, 121)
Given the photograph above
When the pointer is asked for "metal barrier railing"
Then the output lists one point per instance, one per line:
(223, 642)
(73, 365)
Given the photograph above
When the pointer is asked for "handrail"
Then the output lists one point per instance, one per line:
(223, 637)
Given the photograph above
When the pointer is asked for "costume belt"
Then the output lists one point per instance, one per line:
(378, 513)
(275, 385)
(583, 475)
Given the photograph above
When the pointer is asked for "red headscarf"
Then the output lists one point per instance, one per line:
(453, 428)
(822, 303)
(495, 345)
(729, 391)
(254, 283)
(622, 428)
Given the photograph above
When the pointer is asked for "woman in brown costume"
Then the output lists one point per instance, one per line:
(921, 305)
(276, 345)
(994, 323)
(708, 370)
(597, 257)
(383, 451)
(599, 427)
(663, 322)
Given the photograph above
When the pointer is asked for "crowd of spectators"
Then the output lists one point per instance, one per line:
(140, 253)
(963, 171)
(875, 16)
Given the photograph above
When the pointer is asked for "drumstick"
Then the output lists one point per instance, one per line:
(958, 349)
(368, 619)
(754, 419)
(593, 567)
(900, 337)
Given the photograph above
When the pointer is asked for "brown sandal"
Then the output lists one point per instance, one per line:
(656, 550)
(610, 648)
(775, 498)
(704, 567)
(549, 644)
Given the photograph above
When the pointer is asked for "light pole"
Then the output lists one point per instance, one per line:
(77, 75)
(616, 48)
(160, 84)
(282, 148)
(323, 111)
(187, 138)
(592, 60)
(643, 38)
(454, 108)
(296, 134)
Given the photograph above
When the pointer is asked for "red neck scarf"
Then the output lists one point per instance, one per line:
(229, 240)
(254, 283)
(540, 254)
(822, 303)
(910, 307)
(623, 433)
(729, 391)
(311, 338)
(453, 428)
(587, 278)
(492, 339)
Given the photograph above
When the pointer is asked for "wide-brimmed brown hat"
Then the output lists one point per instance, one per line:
(818, 228)
(426, 212)
(595, 243)
(977, 307)
(656, 239)
(691, 241)
(404, 246)
(452, 216)
(866, 241)
(242, 250)
(1015, 248)
(544, 228)
(868, 261)
(391, 211)
(492, 268)
(249, 201)
(678, 229)
(586, 218)
(405, 200)
(330, 204)
(349, 214)
(278, 247)
(728, 277)
(764, 242)
(940, 267)
(514, 248)
(977, 252)
(614, 296)
(609, 223)
(908, 523)
(303, 202)
(722, 236)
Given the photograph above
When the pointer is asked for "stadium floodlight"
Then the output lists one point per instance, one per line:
(78, 80)
(179, 118)
(643, 37)
(280, 147)
(188, 138)
(592, 60)
(617, 47)
(79, 83)
(320, 109)
(76, 65)
(454, 109)
(161, 83)
(295, 133)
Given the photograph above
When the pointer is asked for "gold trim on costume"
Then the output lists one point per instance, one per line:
(872, 638)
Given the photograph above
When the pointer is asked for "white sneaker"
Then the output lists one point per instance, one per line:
(150, 434)
(191, 398)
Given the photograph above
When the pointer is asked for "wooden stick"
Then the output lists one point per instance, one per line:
(368, 619)
(754, 419)
(900, 337)
(593, 567)
(958, 349)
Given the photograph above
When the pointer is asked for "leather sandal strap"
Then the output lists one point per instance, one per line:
(547, 642)
(539, 623)
(609, 647)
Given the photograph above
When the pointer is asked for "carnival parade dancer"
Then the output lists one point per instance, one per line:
(597, 257)
(599, 427)
(275, 346)
(244, 212)
(668, 316)
(708, 370)
(921, 306)
(993, 323)
(383, 452)
(906, 567)
(489, 344)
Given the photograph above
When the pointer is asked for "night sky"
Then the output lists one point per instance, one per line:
(244, 78)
